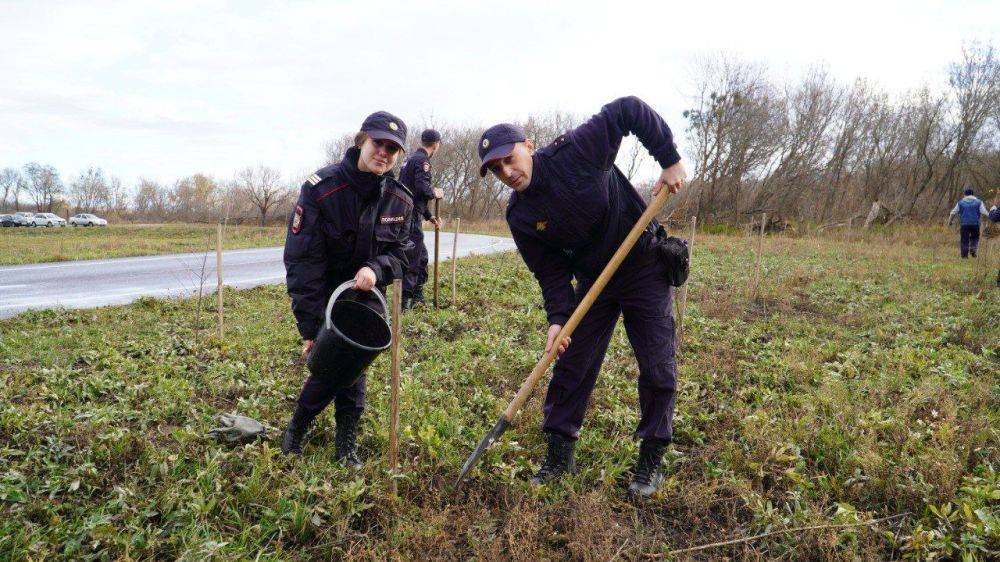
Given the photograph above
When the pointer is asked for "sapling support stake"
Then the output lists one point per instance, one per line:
(397, 308)
(437, 247)
(454, 262)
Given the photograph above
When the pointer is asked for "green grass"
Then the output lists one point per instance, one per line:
(35, 245)
(863, 382)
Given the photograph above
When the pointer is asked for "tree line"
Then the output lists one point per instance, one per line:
(253, 194)
(811, 149)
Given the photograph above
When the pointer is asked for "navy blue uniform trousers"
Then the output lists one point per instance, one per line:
(639, 291)
(969, 239)
(416, 271)
(317, 392)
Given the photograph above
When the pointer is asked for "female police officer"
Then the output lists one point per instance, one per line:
(570, 210)
(351, 221)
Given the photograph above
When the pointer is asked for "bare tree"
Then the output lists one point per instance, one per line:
(150, 201)
(43, 185)
(262, 186)
(9, 180)
(195, 199)
(89, 190)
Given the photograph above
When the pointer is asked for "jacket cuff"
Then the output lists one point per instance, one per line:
(667, 156)
(374, 266)
(428, 214)
(558, 318)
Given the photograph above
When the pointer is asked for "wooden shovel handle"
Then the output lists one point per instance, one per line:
(588, 300)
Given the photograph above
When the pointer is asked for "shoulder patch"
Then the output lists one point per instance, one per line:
(320, 175)
(427, 166)
(297, 219)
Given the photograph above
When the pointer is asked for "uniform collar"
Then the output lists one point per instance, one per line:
(539, 180)
(366, 183)
(424, 150)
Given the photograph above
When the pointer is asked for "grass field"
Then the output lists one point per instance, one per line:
(863, 382)
(35, 245)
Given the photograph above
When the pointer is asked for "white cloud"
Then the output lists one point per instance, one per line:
(167, 89)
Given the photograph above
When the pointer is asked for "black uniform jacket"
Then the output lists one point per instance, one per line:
(416, 175)
(344, 219)
(579, 206)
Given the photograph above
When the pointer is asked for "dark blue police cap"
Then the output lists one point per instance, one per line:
(430, 136)
(383, 125)
(497, 142)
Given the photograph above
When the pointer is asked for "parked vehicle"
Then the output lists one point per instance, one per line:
(47, 219)
(7, 221)
(87, 219)
(23, 218)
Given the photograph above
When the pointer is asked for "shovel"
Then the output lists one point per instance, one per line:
(581, 310)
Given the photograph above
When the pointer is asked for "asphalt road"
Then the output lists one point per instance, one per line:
(90, 283)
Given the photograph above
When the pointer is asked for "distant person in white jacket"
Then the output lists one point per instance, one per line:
(969, 209)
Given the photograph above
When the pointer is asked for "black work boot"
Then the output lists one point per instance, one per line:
(648, 477)
(559, 460)
(291, 440)
(417, 298)
(346, 441)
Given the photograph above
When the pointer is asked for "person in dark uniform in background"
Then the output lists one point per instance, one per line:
(416, 174)
(351, 221)
(570, 210)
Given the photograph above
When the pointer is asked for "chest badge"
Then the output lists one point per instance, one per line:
(540, 225)
(392, 220)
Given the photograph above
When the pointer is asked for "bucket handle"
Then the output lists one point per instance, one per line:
(349, 284)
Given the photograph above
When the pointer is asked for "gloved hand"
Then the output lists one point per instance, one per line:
(237, 428)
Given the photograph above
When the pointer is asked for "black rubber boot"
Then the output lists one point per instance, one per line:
(648, 476)
(559, 461)
(291, 440)
(346, 441)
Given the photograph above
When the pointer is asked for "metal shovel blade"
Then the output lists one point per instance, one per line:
(488, 439)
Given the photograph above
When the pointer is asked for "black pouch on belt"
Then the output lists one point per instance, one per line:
(672, 252)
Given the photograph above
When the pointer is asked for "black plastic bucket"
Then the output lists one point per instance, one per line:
(354, 332)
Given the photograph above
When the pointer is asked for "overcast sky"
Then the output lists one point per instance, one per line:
(167, 89)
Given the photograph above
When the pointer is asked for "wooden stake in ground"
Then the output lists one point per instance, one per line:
(755, 286)
(218, 268)
(437, 246)
(397, 315)
(683, 297)
(454, 261)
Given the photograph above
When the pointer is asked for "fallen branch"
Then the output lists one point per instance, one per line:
(793, 530)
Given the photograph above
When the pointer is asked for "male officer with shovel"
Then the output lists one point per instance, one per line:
(570, 211)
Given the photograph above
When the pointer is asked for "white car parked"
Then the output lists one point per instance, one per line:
(87, 219)
(23, 218)
(47, 219)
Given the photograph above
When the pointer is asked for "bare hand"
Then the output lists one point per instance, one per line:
(553, 334)
(438, 193)
(672, 178)
(307, 347)
(365, 279)
(436, 222)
